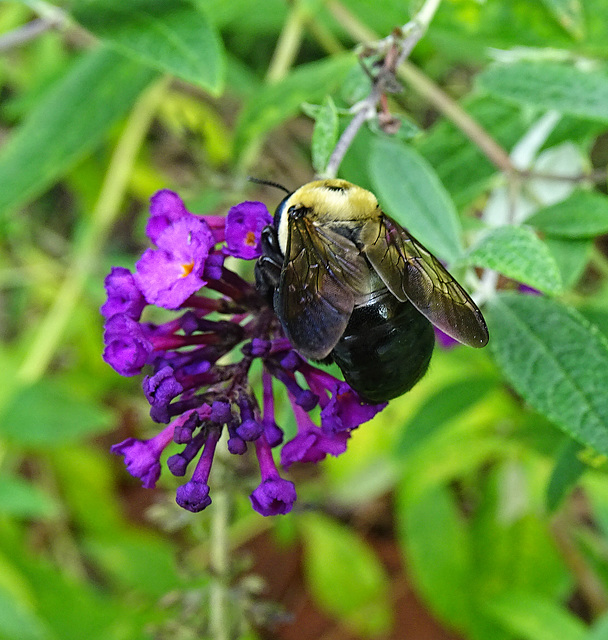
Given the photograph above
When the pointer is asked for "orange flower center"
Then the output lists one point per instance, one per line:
(250, 239)
(187, 269)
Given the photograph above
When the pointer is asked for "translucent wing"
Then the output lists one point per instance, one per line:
(411, 272)
(321, 277)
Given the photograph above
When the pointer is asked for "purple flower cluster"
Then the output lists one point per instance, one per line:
(190, 386)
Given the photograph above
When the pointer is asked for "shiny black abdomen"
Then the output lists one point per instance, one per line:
(386, 348)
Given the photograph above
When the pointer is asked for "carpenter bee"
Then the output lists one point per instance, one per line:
(350, 285)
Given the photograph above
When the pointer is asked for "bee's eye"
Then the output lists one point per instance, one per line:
(297, 211)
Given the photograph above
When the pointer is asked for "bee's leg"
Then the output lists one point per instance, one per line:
(269, 265)
(267, 276)
(270, 244)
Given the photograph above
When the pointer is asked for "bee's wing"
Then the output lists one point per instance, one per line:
(322, 274)
(411, 272)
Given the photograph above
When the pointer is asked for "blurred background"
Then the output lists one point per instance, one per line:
(459, 511)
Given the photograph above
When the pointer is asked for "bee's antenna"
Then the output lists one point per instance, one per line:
(269, 183)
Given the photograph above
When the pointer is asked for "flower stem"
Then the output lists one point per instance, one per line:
(89, 246)
(219, 618)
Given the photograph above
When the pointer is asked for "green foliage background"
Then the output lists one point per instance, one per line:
(491, 472)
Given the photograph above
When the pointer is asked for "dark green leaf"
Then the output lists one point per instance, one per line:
(409, 191)
(345, 576)
(571, 256)
(567, 470)
(68, 123)
(278, 102)
(462, 168)
(518, 253)
(169, 35)
(556, 361)
(583, 215)
(24, 500)
(550, 85)
(49, 413)
(533, 617)
(324, 135)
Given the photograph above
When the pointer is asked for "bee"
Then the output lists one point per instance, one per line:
(352, 286)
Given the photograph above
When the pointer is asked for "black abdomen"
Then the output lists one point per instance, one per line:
(386, 348)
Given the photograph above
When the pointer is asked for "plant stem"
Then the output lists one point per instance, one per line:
(589, 584)
(287, 47)
(410, 35)
(219, 618)
(90, 245)
(25, 33)
(428, 89)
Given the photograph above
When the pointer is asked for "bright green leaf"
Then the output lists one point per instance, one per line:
(599, 630)
(567, 470)
(409, 191)
(518, 253)
(449, 402)
(137, 560)
(17, 621)
(49, 413)
(569, 13)
(532, 617)
(67, 123)
(345, 576)
(324, 135)
(169, 35)
(550, 85)
(435, 542)
(555, 360)
(583, 215)
(24, 500)
(513, 547)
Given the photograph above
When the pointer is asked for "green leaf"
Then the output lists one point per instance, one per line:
(583, 215)
(599, 630)
(567, 470)
(571, 257)
(449, 402)
(513, 547)
(49, 413)
(22, 499)
(409, 191)
(67, 123)
(17, 621)
(532, 617)
(169, 35)
(462, 168)
(555, 360)
(435, 542)
(345, 576)
(518, 253)
(550, 85)
(324, 135)
(137, 560)
(569, 13)
(275, 103)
